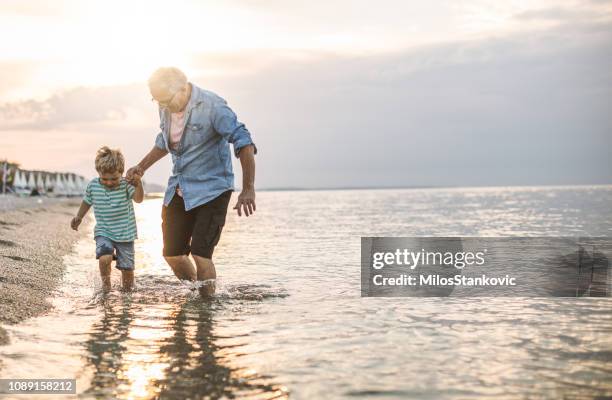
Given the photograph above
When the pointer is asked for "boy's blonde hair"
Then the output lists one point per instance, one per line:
(109, 160)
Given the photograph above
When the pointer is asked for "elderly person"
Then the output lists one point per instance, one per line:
(197, 127)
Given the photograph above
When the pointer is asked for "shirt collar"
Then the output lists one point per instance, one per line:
(195, 97)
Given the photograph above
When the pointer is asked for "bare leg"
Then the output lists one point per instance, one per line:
(182, 267)
(206, 270)
(127, 280)
(105, 271)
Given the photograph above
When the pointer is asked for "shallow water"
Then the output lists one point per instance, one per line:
(288, 318)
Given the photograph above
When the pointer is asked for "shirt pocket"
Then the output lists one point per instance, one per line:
(196, 133)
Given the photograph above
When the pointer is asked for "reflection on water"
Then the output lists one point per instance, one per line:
(161, 341)
(139, 350)
(288, 315)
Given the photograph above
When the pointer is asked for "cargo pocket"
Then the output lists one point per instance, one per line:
(216, 227)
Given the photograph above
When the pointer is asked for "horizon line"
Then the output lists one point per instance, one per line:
(337, 188)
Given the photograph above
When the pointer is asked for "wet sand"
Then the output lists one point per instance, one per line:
(34, 236)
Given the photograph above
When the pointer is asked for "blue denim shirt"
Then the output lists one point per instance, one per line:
(201, 163)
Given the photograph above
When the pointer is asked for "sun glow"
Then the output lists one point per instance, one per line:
(54, 45)
(110, 43)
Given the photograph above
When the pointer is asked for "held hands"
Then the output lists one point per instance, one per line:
(76, 221)
(246, 202)
(136, 180)
(134, 174)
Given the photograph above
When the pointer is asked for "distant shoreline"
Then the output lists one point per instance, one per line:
(296, 189)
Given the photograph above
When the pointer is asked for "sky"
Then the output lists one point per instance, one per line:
(344, 93)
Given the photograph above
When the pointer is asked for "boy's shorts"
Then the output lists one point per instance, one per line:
(123, 252)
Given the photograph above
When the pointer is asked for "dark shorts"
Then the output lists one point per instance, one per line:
(197, 230)
(123, 252)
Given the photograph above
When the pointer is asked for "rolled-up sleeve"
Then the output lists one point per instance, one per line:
(159, 141)
(227, 125)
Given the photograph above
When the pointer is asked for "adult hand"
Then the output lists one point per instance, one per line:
(136, 179)
(130, 174)
(246, 202)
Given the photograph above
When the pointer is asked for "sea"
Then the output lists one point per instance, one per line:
(289, 320)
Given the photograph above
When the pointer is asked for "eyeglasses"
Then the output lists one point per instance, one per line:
(165, 103)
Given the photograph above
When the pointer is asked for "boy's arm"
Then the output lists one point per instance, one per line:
(76, 221)
(139, 192)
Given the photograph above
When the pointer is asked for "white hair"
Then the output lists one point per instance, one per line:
(169, 79)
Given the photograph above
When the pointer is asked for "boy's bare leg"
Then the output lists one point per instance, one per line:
(127, 280)
(206, 270)
(105, 271)
(182, 267)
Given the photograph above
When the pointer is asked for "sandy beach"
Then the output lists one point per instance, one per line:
(34, 236)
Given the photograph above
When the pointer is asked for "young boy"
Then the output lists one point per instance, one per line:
(111, 197)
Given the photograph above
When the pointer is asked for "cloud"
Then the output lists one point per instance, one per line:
(529, 108)
(74, 106)
(556, 14)
(567, 15)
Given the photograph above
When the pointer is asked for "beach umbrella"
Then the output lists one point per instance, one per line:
(74, 190)
(46, 177)
(60, 187)
(31, 185)
(20, 183)
(49, 184)
(16, 180)
(40, 185)
(82, 185)
(67, 188)
(68, 184)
